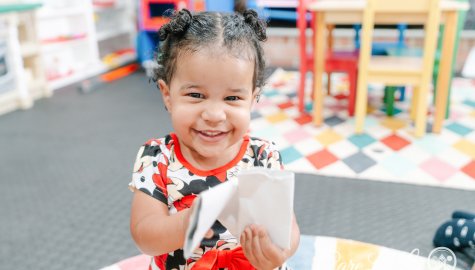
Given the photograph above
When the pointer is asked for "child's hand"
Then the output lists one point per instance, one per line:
(259, 249)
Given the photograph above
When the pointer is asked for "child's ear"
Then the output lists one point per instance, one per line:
(165, 90)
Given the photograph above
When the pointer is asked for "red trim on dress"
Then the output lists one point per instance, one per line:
(196, 171)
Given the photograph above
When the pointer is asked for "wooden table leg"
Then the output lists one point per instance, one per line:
(319, 58)
(443, 79)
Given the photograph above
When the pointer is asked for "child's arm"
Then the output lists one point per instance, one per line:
(153, 229)
(261, 252)
(295, 238)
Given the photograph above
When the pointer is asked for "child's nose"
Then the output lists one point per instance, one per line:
(214, 113)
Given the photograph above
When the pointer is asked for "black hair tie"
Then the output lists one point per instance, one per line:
(252, 18)
(177, 25)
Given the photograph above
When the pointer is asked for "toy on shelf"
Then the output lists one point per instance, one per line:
(93, 83)
(152, 12)
(119, 57)
(152, 15)
(197, 5)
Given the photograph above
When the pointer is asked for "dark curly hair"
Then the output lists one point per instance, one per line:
(239, 34)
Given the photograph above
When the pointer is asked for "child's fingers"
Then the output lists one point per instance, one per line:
(256, 246)
(246, 243)
(259, 249)
(269, 250)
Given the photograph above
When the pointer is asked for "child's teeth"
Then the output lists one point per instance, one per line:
(210, 133)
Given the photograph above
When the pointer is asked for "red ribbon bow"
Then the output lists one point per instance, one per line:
(214, 259)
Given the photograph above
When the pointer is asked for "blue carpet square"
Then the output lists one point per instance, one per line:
(289, 155)
(361, 140)
(431, 143)
(459, 129)
(470, 103)
(359, 162)
(271, 93)
(303, 257)
(398, 165)
(333, 121)
(291, 95)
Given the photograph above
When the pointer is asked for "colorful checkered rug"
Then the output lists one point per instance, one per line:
(329, 253)
(387, 151)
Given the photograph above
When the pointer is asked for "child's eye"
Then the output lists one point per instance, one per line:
(232, 98)
(195, 95)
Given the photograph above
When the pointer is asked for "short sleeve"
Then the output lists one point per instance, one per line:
(149, 173)
(274, 159)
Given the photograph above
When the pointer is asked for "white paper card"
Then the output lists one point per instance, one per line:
(259, 196)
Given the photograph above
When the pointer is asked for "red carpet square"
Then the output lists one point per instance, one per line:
(303, 119)
(286, 105)
(470, 169)
(395, 142)
(322, 158)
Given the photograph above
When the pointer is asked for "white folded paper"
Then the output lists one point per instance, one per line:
(259, 196)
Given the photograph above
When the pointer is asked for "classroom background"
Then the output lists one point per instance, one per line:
(383, 158)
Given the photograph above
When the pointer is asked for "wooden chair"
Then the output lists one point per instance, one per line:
(418, 51)
(394, 71)
(335, 61)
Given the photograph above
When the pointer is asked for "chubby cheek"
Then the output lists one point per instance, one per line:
(182, 120)
(241, 120)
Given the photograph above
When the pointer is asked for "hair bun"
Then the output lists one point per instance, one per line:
(178, 24)
(252, 18)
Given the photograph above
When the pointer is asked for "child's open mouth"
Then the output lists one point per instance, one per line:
(211, 135)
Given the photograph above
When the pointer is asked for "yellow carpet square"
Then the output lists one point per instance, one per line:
(278, 117)
(466, 147)
(393, 123)
(328, 137)
(355, 253)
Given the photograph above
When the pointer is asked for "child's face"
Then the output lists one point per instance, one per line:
(210, 98)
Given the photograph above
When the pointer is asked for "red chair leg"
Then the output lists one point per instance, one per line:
(301, 91)
(352, 76)
(302, 26)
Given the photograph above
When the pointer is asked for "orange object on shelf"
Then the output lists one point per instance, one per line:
(119, 73)
(117, 58)
(199, 5)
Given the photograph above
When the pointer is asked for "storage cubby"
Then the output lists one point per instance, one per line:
(22, 77)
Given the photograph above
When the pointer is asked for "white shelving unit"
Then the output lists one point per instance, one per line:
(84, 38)
(21, 73)
(68, 41)
(115, 23)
